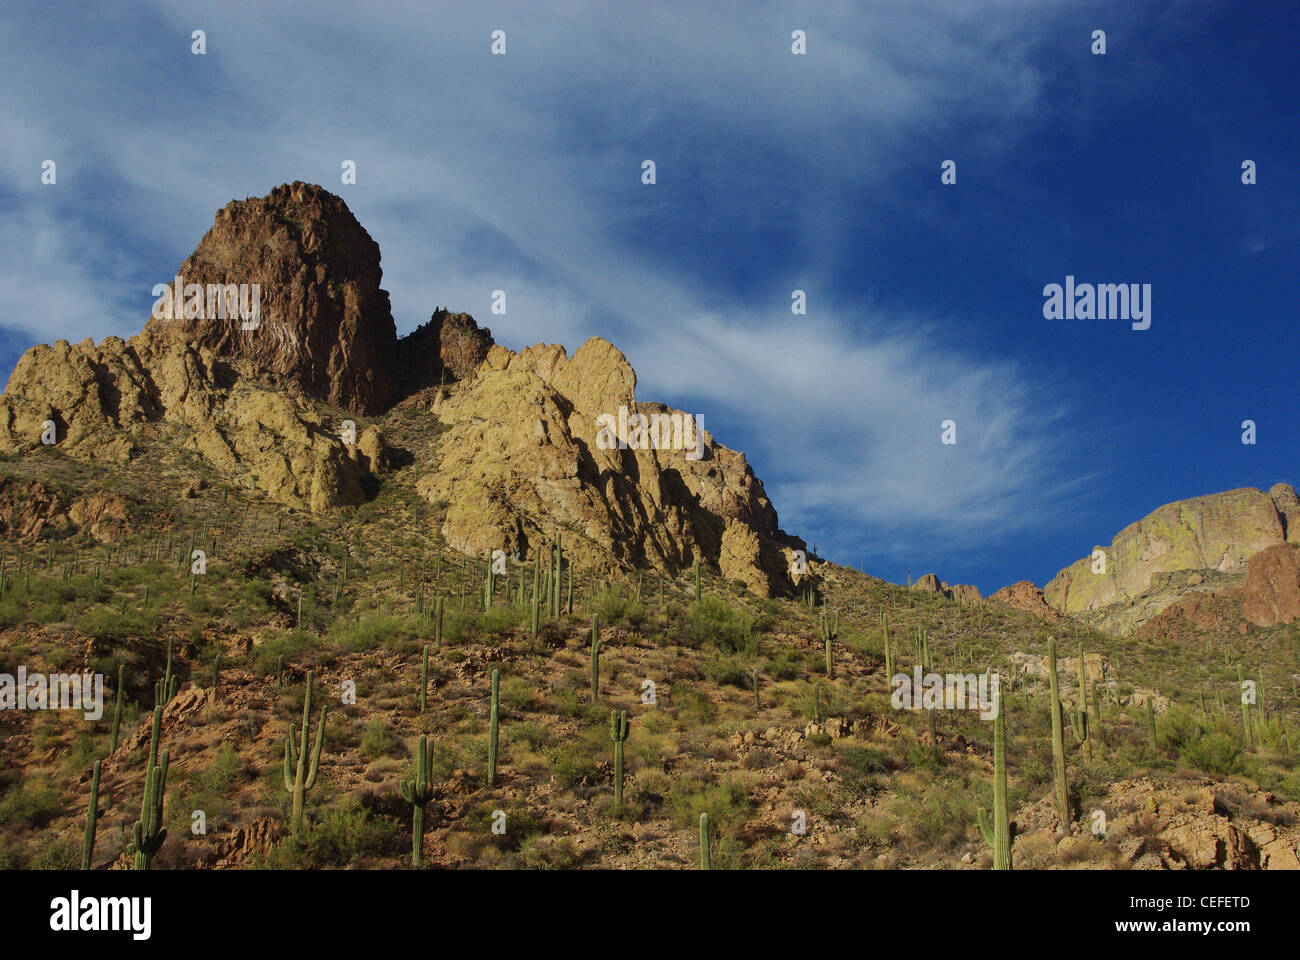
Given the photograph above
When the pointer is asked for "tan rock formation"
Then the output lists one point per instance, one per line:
(1214, 534)
(521, 456)
(961, 592)
(522, 460)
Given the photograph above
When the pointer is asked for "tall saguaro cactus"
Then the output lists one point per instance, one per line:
(149, 833)
(424, 678)
(998, 835)
(418, 792)
(828, 628)
(698, 591)
(889, 658)
(595, 657)
(165, 688)
(559, 563)
(295, 758)
(1245, 707)
(1058, 739)
(1079, 719)
(705, 840)
(618, 728)
(492, 730)
(117, 707)
(92, 816)
(537, 585)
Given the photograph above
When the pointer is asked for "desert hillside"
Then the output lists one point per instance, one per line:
(389, 602)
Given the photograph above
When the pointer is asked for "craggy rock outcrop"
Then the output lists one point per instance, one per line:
(1272, 592)
(1147, 563)
(928, 583)
(246, 400)
(961, 592)
(1288, 508)
(1027, 598)
(105, 399)
(1174, 825)
(1194, 617)
(26, 509)
(94, 396)
(448, 348)
(324, 323)
(522, 459)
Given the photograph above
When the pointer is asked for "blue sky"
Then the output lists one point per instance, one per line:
(775, 172)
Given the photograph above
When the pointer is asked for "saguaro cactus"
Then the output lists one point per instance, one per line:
(1245, 707)
(437, 623)
(559, 563)
(998, 835)
(828, 628)
(117, 707)
(1058, 739)
(92, 815)
(1079, 719)
(295, 758)
(165, 689)
(149, 833)
(618, 727)
(418, 792)
(889, 657)
(490, 587)
(595, 657)
(492, 731)
(537, 586)
(698, 592)
(756, 702)
(705, 839)
(424, 677)
(1151, 721)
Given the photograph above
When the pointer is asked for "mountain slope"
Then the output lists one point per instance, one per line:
(1199, 544)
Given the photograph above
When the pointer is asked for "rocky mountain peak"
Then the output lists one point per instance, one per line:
(310, 272)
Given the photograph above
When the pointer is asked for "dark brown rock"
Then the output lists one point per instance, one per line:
(325, 324)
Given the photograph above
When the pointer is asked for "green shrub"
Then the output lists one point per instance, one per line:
(1216, 753)
(714, 621)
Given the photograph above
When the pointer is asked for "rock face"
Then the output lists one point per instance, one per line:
(521, 458)
(324, 323)
(1197, 615)
(1148, 564)
(1027, 598)
(246, 400)
(104, 400)
(524, 458)
(928, 583)
(449, 347)
(961, 592)
(1272, 592)
(26, 509)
